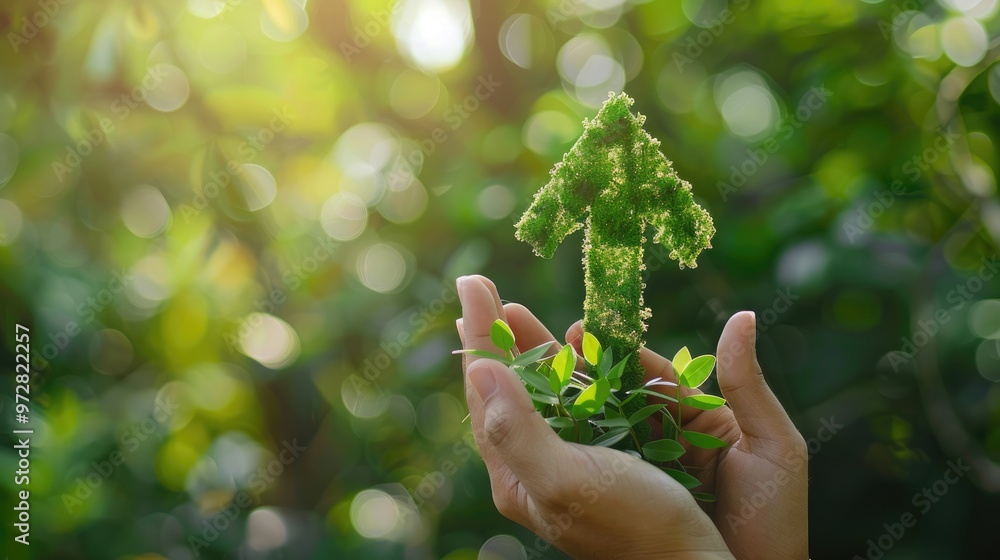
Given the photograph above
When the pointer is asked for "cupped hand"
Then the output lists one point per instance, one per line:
(760, 479)
(591, 502)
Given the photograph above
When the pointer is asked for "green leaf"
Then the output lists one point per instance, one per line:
(568, 434)
(686, 480)
(563, 364)
(591, 347)
(484, 354)
(636, 392)
(591, 399)
(607, 359)
(613, 423)
(533, 355)
(703, 496)
(616, 372)
(643, 413)
(681, 359)
(501, 335)
(560, 422)
(662, 450)
(704, 402)
(586, 433)
(697, 371)
(611, 437)
(544, 399)
(554, 383)
(536, 380)
(703, 441)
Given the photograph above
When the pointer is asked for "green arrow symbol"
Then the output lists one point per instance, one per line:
(616, 175)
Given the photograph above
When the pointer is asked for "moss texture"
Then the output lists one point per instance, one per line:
(616, 177)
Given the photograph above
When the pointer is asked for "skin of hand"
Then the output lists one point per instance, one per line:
(591, 502)
(595, 502)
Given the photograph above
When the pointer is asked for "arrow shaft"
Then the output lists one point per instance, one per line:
(613, 309)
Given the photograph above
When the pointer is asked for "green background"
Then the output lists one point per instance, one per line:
(252, 213)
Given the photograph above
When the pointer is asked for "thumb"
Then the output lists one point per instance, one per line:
(512, 431)
(757, 410)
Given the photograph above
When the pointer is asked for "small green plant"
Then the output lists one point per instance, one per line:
(591, 406)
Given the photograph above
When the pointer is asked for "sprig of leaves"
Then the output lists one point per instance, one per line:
(586, 406)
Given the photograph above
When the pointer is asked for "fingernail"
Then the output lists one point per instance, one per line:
(482, 379)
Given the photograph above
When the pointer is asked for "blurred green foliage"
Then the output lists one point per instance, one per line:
(233, 227)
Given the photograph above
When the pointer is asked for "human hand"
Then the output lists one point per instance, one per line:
(591, 502)
(760, 479)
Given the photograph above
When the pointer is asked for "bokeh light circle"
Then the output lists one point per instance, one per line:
(258, 186)
(11, 222)
(382, 268)
(496, 202)
(414, 93)
(344, 216)
(268, 340)
(747, 105)
(984, 319)
(9, 156)
(145, 212)
(171, 90)
(502, 547)
(525, 40)
(374, 514)
(266, 529)
(284, 20)
(206, 9)
(964, 40)
(433, 34)
(110, 352)
(404, 205)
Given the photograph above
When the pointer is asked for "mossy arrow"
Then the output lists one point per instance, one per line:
(616, 176)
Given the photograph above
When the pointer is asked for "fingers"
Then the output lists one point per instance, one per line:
(511, 428)
(528, 330)
(480, 308)
(510, 434)
(757, 410)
